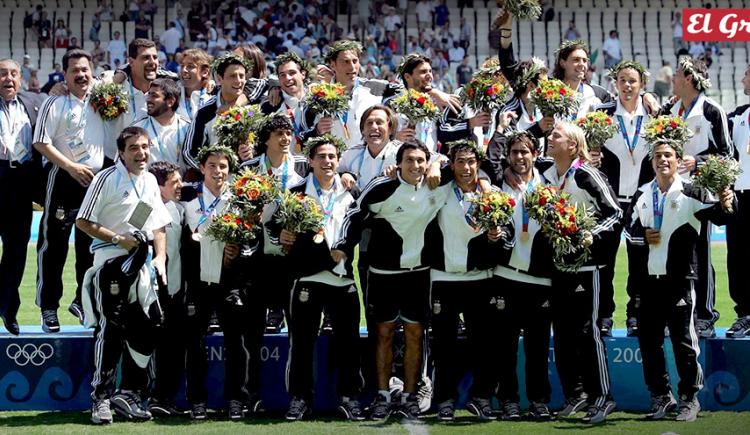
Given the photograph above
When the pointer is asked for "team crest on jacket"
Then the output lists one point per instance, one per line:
(304, 296)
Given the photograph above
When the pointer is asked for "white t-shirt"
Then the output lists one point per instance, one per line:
(166, 140)
(171, 40)
(73, 128)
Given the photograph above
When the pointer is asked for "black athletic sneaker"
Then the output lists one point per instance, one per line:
(129, 405)
(410, 409)
(235, 410)
(632, 325)
(50, 323)
(380, 409)
(298, 409)
(660, 406)
(274, 321)
(481, 408)
(76, 309)
(198, 412)
(213, 323)
(572, 405)
(253, 406)
(597, 414)
(705, 328)
(539, 411)
(446, 411)
(605, 326)
(511, 411)
(351, 409)
(740, 328)
(327, 327)
(163, 408)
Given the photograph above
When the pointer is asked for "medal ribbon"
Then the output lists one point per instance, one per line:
(284, 171)
(205, 213)
(327, 208)
(624, 132)
(571, 171)
(524, 212)
(460, 196)
(156, 135)
(658, 206)
(685, 113)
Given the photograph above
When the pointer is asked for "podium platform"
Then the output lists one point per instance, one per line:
(53, 372)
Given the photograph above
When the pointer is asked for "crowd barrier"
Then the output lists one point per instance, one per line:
(53, 372)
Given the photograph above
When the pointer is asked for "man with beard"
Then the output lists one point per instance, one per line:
(18, 172)
(74, 151)
(123, 212)
(231, 72)
(738, 236)
(166, 128)
(625, 162)
(708, 122)
(523, 282)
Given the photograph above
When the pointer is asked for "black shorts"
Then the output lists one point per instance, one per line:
(404, 296)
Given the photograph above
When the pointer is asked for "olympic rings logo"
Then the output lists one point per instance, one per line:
(29, 353)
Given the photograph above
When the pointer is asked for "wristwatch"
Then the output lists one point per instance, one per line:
(116, 239)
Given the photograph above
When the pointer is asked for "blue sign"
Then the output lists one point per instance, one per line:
(53, 372)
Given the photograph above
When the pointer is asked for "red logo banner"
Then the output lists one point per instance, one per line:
(730, 25)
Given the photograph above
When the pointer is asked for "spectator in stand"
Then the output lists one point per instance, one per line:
(33, 83)
(26, 68)
(98, 54)
(180, 23)
(212, 36)
(170, 39)
(173, 62)
(142, 26)
(56, 77)
(466, 33)
(612, 50)
(104, 10)
(663, 81)
(61, 35)
(464, 72)
(677, 32)
(441, 14)
(44, 30)
(73, 44)
(572, 33)
(457, 53)
(195, 21)
(424, 15)
(697, 49)
(133, 10)
(392, 21)
(96, 26)
(445, 80)
(116, 49)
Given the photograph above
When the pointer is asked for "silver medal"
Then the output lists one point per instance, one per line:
(318, 238)
(197, 236)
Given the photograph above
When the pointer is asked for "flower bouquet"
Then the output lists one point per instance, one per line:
(717, 173)
(298, 213)
(237, 126)
(251, 191)
(327, 99)
(416, 107)
(485, 93)
(233, 227)
(598, 127)
(667, 129)
(491, 210)
(522, 9)
(554, 98)
(109, 100)
(564, 224)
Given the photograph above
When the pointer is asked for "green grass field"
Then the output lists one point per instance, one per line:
(31, 422)
(618, 423)
(29, 313)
